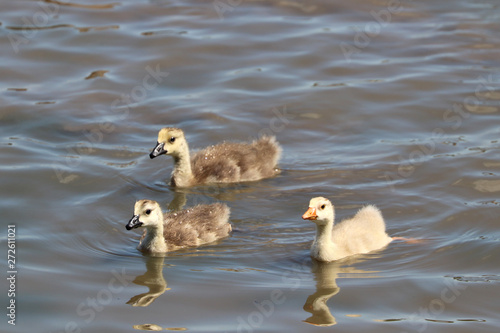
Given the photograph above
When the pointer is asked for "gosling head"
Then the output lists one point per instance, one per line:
(147, 213)
(320, 211)
(170, 141)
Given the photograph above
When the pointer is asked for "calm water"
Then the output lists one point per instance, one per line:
(395, 104)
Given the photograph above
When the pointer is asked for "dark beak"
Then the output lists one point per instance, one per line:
(158, 150)
(133, 223)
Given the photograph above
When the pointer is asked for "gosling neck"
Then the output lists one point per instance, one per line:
(323, 248)
(324, 234)
(154, 241)
(182, 174)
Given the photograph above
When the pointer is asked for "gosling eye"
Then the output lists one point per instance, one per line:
(322, 206)
(148, 211)
(172, 140)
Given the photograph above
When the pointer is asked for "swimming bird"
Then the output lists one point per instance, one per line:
(223, 163)
(363, 233)
(171, 231)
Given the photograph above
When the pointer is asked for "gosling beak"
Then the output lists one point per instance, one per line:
(310, 214)
(158, 150)
(133, 223)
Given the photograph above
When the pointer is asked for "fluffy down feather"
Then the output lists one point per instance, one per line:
(363, 233)
(190, 227)
(223, 163)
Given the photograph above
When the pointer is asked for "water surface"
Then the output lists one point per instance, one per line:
(390, 103)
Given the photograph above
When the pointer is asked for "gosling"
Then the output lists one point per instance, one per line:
(222, 163)
(172, 231)
(363, 233)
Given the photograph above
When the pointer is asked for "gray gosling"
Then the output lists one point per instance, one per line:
(223, 163)
(172, 231)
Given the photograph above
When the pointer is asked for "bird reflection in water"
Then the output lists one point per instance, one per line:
(326, 274)
(178, 201)
(153, 279)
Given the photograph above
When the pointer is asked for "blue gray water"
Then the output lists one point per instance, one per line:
(394, 103)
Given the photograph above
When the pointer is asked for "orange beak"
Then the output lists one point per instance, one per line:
(310, 214)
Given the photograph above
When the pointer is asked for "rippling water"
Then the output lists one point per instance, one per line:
(391, 103)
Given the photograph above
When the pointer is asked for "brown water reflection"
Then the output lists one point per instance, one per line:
(326, 275)
(326, 287)
(153, 279)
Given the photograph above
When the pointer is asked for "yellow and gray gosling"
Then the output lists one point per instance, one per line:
(223, 163)
(171, 231)
(363, 233)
